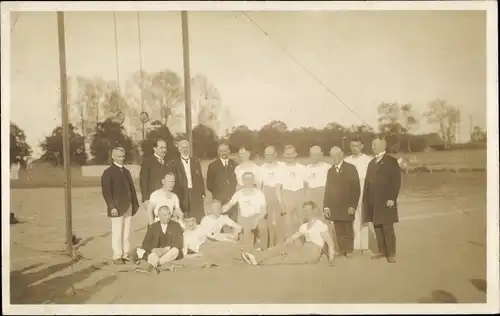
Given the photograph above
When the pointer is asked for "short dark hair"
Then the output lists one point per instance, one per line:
(357, 139)
(157, 140)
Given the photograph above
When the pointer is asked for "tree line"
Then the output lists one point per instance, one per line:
(396, 123)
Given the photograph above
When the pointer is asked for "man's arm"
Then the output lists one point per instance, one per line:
(107, 189)
(201, 181)
(211, 178)
(295, 236)
(395, 183)
(147, 242)
(178, 239)
(329, 241)
(326, 201)
(144, 180)
(229, 205)
(150, 212)
(355, 188)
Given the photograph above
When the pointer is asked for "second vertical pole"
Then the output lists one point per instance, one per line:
(187, 77)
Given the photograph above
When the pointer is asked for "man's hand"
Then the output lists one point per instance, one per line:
(114, 212)
(390, 203)
(351, 210)
(326, 211)
(157, 252)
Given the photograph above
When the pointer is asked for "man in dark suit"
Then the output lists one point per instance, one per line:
(121, 200)
(189, 184)
(221, 179)
(381, 190)
(342, 191)
(163, 242)
(153, 170)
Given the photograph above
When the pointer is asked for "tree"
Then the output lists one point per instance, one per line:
(447, 118)
(478, 135)
(205, 142)
(110, 134)
(242, 136)
(52, 147)
(206, 103)
(272, 134)
(158, 131)
(335, 127)
(19, 149)
(409, 121)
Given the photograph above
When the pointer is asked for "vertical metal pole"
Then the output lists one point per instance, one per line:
(65, 130)
(187, 77)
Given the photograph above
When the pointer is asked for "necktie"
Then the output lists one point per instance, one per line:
(338, 169)
(186, 160)
(161, 161)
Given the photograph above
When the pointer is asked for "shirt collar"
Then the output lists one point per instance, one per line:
(185, 158)
(339, 165)
(224, 160)
(158, 157)
(118, 165)
(380, 155)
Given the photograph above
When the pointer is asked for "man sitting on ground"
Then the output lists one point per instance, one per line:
(163, 242)
(210, 228)
(316, 236)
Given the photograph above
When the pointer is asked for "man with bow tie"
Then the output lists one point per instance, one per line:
(189, 185)
(381, 190)
(221, 179)
(153, 170)
(120, 196)
(341, 199)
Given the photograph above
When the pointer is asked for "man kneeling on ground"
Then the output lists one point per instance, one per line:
(316, 235)
(163, 242)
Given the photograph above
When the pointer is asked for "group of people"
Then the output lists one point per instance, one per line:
(280, 210)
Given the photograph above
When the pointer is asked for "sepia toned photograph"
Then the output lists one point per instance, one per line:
(258, 157)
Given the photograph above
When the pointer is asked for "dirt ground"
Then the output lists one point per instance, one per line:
(441, 256)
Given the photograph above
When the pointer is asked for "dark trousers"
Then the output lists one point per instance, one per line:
(386, 239)
(345, 236)
(194, 210)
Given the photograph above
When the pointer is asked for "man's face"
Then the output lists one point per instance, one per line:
(378, 146)
(164, 214)
(315, 154)
(190, 223)
(244, 155)
(337, 156)
(118, 157)
(308, 212)
(160, 149)
(289, 155)
(248, 180)
(216, 208)
(168, 182)
(184, 148)
(270, 154)
(224, 151)
(356, 147)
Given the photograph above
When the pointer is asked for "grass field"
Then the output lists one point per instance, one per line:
(441, 256)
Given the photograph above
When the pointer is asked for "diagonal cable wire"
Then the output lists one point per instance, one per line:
(310, 73)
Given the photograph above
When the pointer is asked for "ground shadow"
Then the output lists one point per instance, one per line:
(26, 288)
(439, 296)
(479, 284)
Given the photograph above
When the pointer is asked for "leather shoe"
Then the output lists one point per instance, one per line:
(391, 259)
(378, 256)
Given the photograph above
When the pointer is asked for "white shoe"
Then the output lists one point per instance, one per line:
(248, 258)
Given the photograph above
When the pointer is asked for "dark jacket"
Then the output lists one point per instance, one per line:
(181, 185)
(151, 176)
(221, 181)
(382, 183)
(155, 238)
(118, 190)
(342, 191)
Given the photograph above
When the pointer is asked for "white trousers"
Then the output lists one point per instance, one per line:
(120, 232)
(360, 230)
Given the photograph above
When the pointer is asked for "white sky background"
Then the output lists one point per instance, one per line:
(365, 57)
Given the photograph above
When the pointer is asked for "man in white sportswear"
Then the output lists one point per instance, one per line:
(246, 165)
(165, 196)
(292, 193)
(270, 172)
(252, 212)
(316, 173)
(316, 235)
(360, 161)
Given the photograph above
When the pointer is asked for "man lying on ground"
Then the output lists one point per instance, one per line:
(165, 196)
(195, 236)
(316, 235)
(162, 244)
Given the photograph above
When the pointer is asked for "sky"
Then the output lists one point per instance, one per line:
(363, 57)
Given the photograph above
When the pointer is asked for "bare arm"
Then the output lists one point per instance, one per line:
(228, 206)
(329, 241)
(150, 212)
(294, 237)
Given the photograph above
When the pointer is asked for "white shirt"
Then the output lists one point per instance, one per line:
(118, 165)
(160, 160)
(270, 174)
(313, 234)
(187, 169)
(316, 174)
(164, 228)
(241, 169)
(293, 177)
(193, 239)
(361, 163)
(160, 198)
(249, 203)
(211, 225)
(225, 162)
